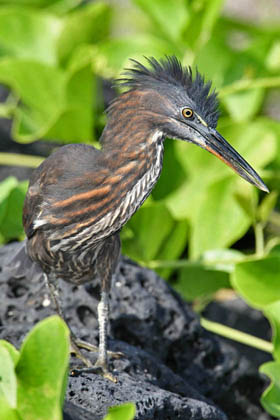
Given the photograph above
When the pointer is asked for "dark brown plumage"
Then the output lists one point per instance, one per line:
(80, 197)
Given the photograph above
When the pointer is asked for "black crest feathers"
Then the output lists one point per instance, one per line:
(171, 72)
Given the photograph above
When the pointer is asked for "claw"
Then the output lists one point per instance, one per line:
(96, 369)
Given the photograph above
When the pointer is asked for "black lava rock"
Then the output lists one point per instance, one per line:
(172, 368)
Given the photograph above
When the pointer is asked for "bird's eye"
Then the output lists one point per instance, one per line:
(187, 113)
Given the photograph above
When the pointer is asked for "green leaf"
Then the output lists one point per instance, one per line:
(121, 412)
(58, 93)
(14, 353)
(50, 4)
(11, 226)
(258, 281)
(6, 411)
(42, 370)
(173, 174)
(244, 105)
(271, 396)
(8, 382)
(210, 14)
(37, 112)
(89, 25)
(256, 141)
(173, 246)
(149, 231)
(29, 34)
(75, 120)
(169, 17)
(218, 221)
(59, 7)
(197, 281)
(114, 55)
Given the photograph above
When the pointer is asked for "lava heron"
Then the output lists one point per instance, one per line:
(80, 197)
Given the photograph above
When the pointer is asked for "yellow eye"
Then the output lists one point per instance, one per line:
(187, 113)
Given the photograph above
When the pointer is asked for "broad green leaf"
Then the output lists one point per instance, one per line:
(60, 7)
(29, 34)
(210, 14)
(213, 59)
(114, 55)
(6, 411)
(271, 397)
(11, 226)
(196, 281)
(121, 412)
(50, 4)
(14, 353)
(218, 221)
(244, 105)
(8, 382)
(62, 99)
(173, 246)
(42, 370)
(256, 142)
(169, 17)
(75, 121)
(275, 249)
(151, 226)
(37, 112)
(88, 25)
(173, 174)
(258, 281)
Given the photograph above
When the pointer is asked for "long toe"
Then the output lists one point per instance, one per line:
(91, 347)
(85, 345)
(115, 354)
(77, 352)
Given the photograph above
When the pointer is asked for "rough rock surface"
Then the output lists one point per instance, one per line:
(172, 368)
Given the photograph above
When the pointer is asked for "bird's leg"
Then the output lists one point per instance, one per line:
(52, 284)
(106, 264)
(103, 320)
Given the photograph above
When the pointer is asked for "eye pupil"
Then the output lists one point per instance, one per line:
(187, 112)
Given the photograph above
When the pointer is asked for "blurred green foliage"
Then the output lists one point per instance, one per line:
(51, 55)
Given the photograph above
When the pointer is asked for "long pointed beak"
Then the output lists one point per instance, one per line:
(219, 147)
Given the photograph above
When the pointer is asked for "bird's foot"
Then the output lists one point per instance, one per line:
(100, 367)
(91, 347)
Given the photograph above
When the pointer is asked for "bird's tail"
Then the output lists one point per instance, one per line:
(15, 263)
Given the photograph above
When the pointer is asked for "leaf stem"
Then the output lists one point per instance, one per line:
(236, 335)
(245, 84)
(259, 239)
(154, 264)
(16, 159)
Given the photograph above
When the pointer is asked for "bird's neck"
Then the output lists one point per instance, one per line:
(131, 143)
(135, 165)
